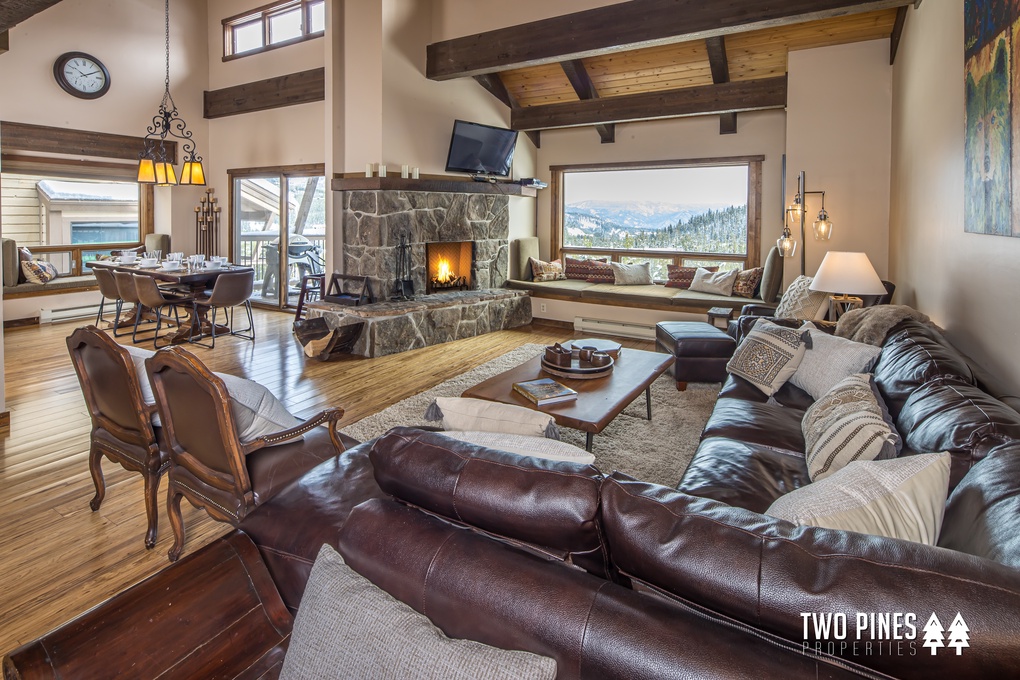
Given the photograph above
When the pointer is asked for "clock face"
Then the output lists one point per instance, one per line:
(82, 75)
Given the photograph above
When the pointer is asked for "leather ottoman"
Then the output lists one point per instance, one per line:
(701, 350)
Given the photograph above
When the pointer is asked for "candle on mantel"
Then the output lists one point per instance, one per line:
(404, 170)
(414, 173)
(368, 169)
(382, 170)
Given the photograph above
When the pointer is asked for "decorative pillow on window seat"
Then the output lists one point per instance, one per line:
(718, 283)
(632, 274)
(683, 277)
(580, 268)
(547, 271)
(600, 272)
(38, 271)
(24, 255)
(747, 282)
(901, 498)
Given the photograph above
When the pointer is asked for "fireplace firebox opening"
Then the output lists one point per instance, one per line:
(449, 265)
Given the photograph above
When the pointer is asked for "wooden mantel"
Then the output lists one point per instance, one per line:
(455, 186)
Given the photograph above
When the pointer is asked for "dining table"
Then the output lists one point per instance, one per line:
(192, 278)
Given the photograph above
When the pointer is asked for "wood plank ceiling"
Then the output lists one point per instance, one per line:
(740, 65)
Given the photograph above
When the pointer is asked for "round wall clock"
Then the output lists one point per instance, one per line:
(81, 75)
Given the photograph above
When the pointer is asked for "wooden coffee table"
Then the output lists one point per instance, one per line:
(598, 401)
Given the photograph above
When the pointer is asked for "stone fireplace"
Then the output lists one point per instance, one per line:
(375, 223)
(449, 245)
(448, 266)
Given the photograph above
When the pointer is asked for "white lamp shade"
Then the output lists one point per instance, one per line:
(847, 274)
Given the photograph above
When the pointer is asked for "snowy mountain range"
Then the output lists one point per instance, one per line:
(633, 216)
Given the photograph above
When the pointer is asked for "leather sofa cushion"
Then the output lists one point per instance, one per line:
(541, 502)
(756, 423)
(959, 418)
(910, 358)
(744, 475)
(766, 572)
(983, 514)
(475, 588)
(789, 395)
(291, 526)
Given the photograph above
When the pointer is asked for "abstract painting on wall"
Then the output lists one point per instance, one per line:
(992, 179)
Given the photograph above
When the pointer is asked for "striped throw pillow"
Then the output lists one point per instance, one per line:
(683, 277)
(38, 271)
(580, 267)
(844, 426)
(601, 272)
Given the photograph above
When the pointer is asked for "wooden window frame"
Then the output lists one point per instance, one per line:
(57, 167)
(752, 256)
(264, 14)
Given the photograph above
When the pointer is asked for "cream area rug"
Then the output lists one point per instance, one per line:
(653, 451)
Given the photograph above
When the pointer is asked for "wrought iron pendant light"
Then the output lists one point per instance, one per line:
(153, 166)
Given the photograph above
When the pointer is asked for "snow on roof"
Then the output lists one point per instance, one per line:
(60, 190)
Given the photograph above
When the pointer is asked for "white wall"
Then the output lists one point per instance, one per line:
(838, 130)
(967, 283)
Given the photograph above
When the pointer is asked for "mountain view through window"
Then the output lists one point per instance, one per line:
(685, 210)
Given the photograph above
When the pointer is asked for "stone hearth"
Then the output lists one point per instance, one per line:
(375, 221)
(392, 327)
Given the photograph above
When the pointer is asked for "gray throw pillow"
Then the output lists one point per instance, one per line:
(846, 425)
(718, 283)
(903, 498)
(632, 274)
(800, 302)
(348, 628)
(829, 359)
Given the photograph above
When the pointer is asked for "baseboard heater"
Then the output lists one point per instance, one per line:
(68, 313)
(624, 329)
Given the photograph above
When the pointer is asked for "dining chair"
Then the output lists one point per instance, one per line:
(209, 464)
(156, 298)
(108, 290)
(128, 293)
(122, 428)
(229, 291)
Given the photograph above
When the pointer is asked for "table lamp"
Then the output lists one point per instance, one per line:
(846, 275)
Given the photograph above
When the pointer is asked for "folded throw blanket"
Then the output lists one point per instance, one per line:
(871, 324)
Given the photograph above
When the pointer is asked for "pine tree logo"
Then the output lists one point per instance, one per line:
(958, 634)
(933, 634)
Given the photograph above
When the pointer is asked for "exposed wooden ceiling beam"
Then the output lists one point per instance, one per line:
(748, 95)
(13, 12)
(717, 61)
(5, 41)
(495, 86)
(579, 79)
(728, 123)
(897, 33)
(625, 26)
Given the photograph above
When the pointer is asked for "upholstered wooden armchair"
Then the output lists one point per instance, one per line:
(122, 427)
(209, 464)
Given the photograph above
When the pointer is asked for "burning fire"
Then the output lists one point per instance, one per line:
(444, 274)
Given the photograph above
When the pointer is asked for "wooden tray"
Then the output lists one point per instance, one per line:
(578, 370)
(610, 347)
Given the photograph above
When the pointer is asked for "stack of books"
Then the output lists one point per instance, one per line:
(544, 391)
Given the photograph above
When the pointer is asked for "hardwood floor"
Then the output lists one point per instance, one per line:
(58, 557)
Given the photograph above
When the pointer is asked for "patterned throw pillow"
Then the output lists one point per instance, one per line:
(24, 255)
(844, 426)
(682, 277)
(768, 356)
(547, 271)
(580, 268)
(903, 498)
(800, 302)
(601, 272)
(747, 282)
(38, 271)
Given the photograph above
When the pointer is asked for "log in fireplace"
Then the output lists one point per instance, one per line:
(449, 265)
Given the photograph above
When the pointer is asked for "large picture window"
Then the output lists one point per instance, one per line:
(71, 215)
(691, 213)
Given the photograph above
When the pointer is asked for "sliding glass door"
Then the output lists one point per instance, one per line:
(278, 227)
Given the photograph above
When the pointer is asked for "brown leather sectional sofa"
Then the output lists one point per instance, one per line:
(616, 578)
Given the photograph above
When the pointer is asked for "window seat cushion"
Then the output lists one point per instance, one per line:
(60, 283)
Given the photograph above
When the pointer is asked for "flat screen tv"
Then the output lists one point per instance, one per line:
(481, 149)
